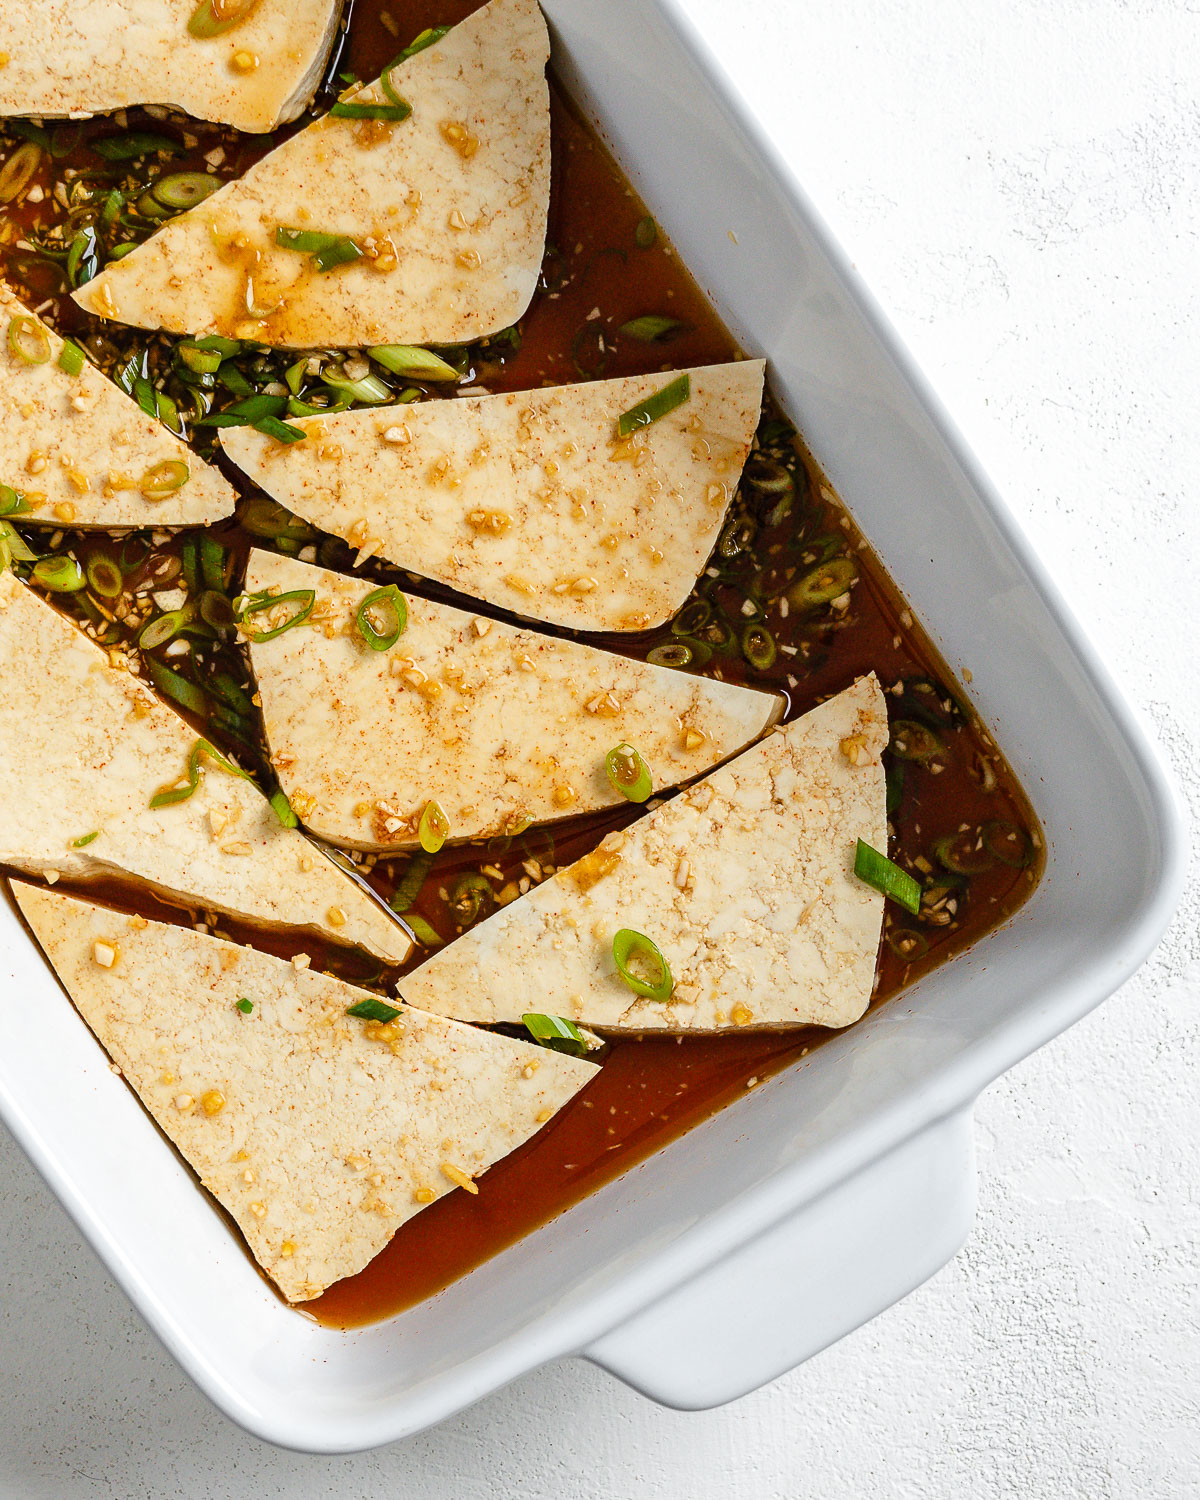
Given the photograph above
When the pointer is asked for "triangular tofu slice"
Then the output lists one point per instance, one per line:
(745, 882)
(320, 1133)
(501, 726)
(81, 451)
(86, 746)
(446, 209)
(65, 59)
(530, 500)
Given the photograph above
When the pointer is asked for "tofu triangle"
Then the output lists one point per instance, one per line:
(531, 500)
(744, 882)
(88, 745)
(318, 1132)
(82, 452)
(447, 208)
(75, 60)
(501, 725)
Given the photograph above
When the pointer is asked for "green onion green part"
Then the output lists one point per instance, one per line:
(646, 233)
(85, 840)
(393, 112)
(28, 340)
(245, 1006)
(555, 1032)
(61, 575)
(888, 879)
(215, 17)
(136, 143)
(374, 1010)
(758, 647)
(304, 601)
(628, 773)
(421, 930)
(655, 407)
(391, 603)
(183, 190)
(417, 364)
(911, 740)
(175, 687)
(824, 583)
(283, 809)
(651, 328)
(71, 358)
(282, 432)
(168, 796)
(628, 944)
(164, 479)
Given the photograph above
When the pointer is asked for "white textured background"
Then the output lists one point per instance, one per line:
(1019, 180)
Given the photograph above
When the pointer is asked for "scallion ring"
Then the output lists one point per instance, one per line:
(413, 362)
(304, 601)
(628, 773)
(162, 480)
(1010, 845)
(467, 895)
(877, 871)
(389, 602)
(183, 190)
(758, 647)
(71, 358)
(61, 575)
(17, 172)
(28, 340)
(104, 577)
(673, 654)
(627, 945)
(911, 740)
(651, 328)
(434, 827)
(822, 584)
(214, 17)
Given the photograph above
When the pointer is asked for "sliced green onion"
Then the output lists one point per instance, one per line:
(183, 190)
(304, 599)
(894, 784)
(888, 879)
(282, 432)
(434, 827)
(1010, 845)
(655, 407)
(628, 773)
(199, 361)
(28, 340)
(422, 40)
(212, 563)
(214, 17)
(964, 853)
(245, 1006)
(391, 601)
(629, 944)
(393, 112)
(18, 170)
(71, 358)
(61, 575)
(651, 328)
(758, 647)
(85, 839)
(907, 943)
(417, 364)
(119, 252)
(555, 1032)
(283, 809)
(164, 479)
(911, 740)
(421, 930)
(12, 502)
(13, 546)
(409, 886)
(467, 895)
(178, 688)
(245, 413)
(646, 233)
(216, 610)
(293, 376)
(136, 143)
(262, 517)
(673, 654)
(164, 628)
(170, 795)
(83, 258)
(327, 250)
(824, 583)
(226, 348)
(370, 389)
(374, 1010)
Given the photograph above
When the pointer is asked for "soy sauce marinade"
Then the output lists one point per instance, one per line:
(792, 600)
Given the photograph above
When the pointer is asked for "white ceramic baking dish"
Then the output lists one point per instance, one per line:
(836, 1187)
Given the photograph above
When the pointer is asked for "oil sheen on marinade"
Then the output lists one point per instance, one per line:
(792, 600)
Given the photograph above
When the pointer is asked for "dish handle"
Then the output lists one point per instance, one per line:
(813, 1278)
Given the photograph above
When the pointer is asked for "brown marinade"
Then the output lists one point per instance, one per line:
(793, 600)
